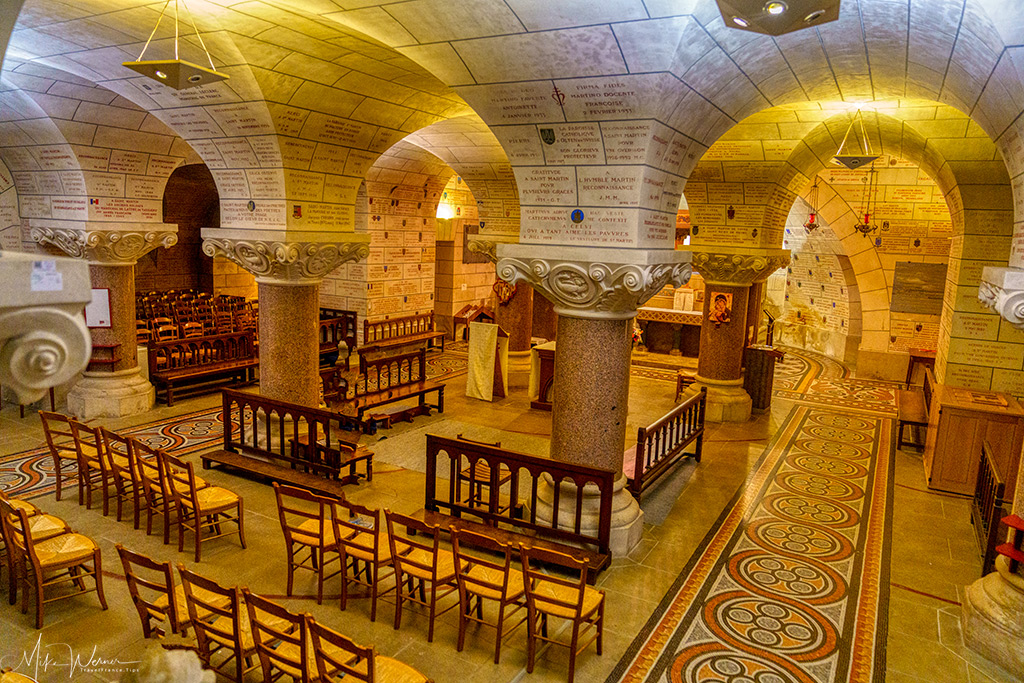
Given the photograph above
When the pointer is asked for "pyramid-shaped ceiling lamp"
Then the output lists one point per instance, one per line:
(176, 73)
(776, 17)
(860, 157)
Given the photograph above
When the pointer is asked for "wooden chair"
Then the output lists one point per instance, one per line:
(365, 550)
(200, 508)
(142, 332)
(61, 443)
(121, 465)
(569, 599)
(223, 633)
(282, 640)
(41, 527)
(54, 561)
(482, 579)
(340, 659)
(306, 525)
(93, 470)
(155, 488)
(420, 565)
(191, 329)
(166, 333)
(151, 585)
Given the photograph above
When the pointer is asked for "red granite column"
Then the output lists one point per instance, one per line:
(289, 342)
(119, 281)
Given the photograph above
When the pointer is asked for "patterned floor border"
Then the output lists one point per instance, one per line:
(771, 596)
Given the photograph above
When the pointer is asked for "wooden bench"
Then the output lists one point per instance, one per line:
(507, 515)
(198, 360)
(382, 381)
(382, 336)
(912, 408)
(337, 326)
(661, 445)
(271, 440)
(988, 507)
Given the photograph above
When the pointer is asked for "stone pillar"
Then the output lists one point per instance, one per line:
(993, 607)
(288, 273)
(595, 292)
(112, 253)
(289, 342)
(728, 274)
(516, 318)
(43, 338)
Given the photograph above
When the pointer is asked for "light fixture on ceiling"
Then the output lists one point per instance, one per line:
(776, 17)
(812, 219)
(855, 161)
(176, 73)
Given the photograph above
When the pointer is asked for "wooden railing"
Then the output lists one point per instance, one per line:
(276, 430)
(987, 507)
(208, 350)
(662, 444)
(454, 456)
(390, 372)
(337, 326)
(407, 326)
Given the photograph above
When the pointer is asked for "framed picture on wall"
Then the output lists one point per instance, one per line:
(97, 311)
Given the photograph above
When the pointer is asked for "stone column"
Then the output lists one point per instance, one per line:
(993, 607)
(112, 253)
(728, 273)
(516, 318)
(289, 342)
(43, 338)
(595, 292)
(288, 274)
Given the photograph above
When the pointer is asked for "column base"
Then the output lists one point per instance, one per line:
(111, 394)
(627, 524)
(727, 400)
(993, 617)
(518, 370)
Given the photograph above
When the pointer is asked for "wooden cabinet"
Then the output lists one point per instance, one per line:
(959, 421)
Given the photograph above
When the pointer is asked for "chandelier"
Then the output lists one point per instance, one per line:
(868, 205)
(776, 17)
(176, 73)
(866, 156)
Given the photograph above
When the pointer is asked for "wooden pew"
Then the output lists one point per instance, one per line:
(337, 326)
(382, 336)
(661, 445)
(271, 439)
(912, 408)
(382, 381)
(508, 515)
(197, 360)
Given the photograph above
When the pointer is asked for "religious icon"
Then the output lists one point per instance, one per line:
(721, 307)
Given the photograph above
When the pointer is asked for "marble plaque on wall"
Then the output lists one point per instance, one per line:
(918, 288)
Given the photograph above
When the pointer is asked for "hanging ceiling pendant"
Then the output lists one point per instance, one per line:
(855, 161)
(812, 219)
(176, 73)
(776, 17)
(867, 209)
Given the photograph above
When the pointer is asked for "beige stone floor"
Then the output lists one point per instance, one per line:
(933, 557)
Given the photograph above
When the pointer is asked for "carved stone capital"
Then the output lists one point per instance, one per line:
(488, 244)
(109, 247)
(729, 266)
(287, 262)
(581, 288)
(1002, 290)
(43, 338)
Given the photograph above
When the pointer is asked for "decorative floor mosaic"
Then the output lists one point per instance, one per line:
(791, 585)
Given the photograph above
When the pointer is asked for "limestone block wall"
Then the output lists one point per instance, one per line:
(459, 283)
(10, 220)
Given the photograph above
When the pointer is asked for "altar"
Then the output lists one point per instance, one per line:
(670, 330)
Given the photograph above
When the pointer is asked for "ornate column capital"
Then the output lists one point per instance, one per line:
(488, 244)
(593, 282)
(43, 338)
(1002, 290)
(738, 267)
(107, 246)
(284, 261)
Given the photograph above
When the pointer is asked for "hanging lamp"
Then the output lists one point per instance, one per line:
(176, 73)
(868, 206)
(855, 161)
(812, 219)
